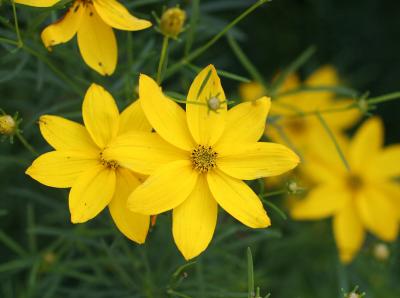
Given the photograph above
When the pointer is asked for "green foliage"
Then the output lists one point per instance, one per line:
(43, 255)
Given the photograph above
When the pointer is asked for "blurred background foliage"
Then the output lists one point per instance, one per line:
(43, 255)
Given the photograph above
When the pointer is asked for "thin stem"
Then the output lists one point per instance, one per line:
(161, 65)
(293, 67)
(20, 42)
(194, 19)
(333, 138)
(250, 274)
(213, 40)
(274, 193)
(76, 89)
(384, 98)
(25, 143)
(251, 69)
(9, 41)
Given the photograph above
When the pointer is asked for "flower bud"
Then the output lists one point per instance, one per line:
(381, 251)
(172, 21)
(354, 295)
(7, 125)
(214, 104)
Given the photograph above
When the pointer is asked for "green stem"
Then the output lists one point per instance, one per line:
(333, 138)
(161, 65)
(213, 40)
(25, 143)
(20, 42)
(250, 274)
(251, 69)
(384, 98)
(9, 41)
(274, 193)
(194, 18)
(293, 67)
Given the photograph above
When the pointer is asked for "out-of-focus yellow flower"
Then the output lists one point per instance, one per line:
(79, 161)
(172, 21)
(210, 152)
(364, 198)
(92, 21)
(298, 131)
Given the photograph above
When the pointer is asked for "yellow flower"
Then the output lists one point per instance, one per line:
(364, 198)
(297, 131)
(301, 131)
(79, 162)
(92, 21)
(199, 160)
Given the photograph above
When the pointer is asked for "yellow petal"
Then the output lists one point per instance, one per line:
(65, 28)
(366, 143)
(322, 201)
(378, 213)
(91, 193)
(133, 119)
(206, 126)
(100, 114)
(251, 91)
(66, 135)
(133, 225)
(349, 233)
(166, 116)
(344, 119)
(238, 199)
(246, 122)
(194, 221)
(97, 43)
(60, 168)
(162, 191)
(143, 152)
(323, 76)
(37, 3)
(391, 190)
(255, 160)
(386, 164)
(117, 16)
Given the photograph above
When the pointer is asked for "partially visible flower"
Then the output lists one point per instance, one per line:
(7, 125)
(79, 161)
(92, 21)
(290, 126)
(200, 159)
(364, 198)
(172, 21)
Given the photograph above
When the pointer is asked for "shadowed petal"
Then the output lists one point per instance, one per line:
(167, 188)
(194, 221)
(133, 225)
(97, 43)
(91, 193)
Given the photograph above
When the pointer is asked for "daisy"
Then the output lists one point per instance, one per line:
(78, 161)
(200, 158)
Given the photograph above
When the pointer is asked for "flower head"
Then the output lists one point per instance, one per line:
(172, 21)
(92, 21)
(7, 125)
(365, 198)
(290, 125)
(199, 160)
(80, 161)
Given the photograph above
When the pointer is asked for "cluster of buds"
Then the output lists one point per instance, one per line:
(172, 22)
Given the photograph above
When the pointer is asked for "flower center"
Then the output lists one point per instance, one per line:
(203, 158)
(354, 182)
(111, 164)
(296, 126)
